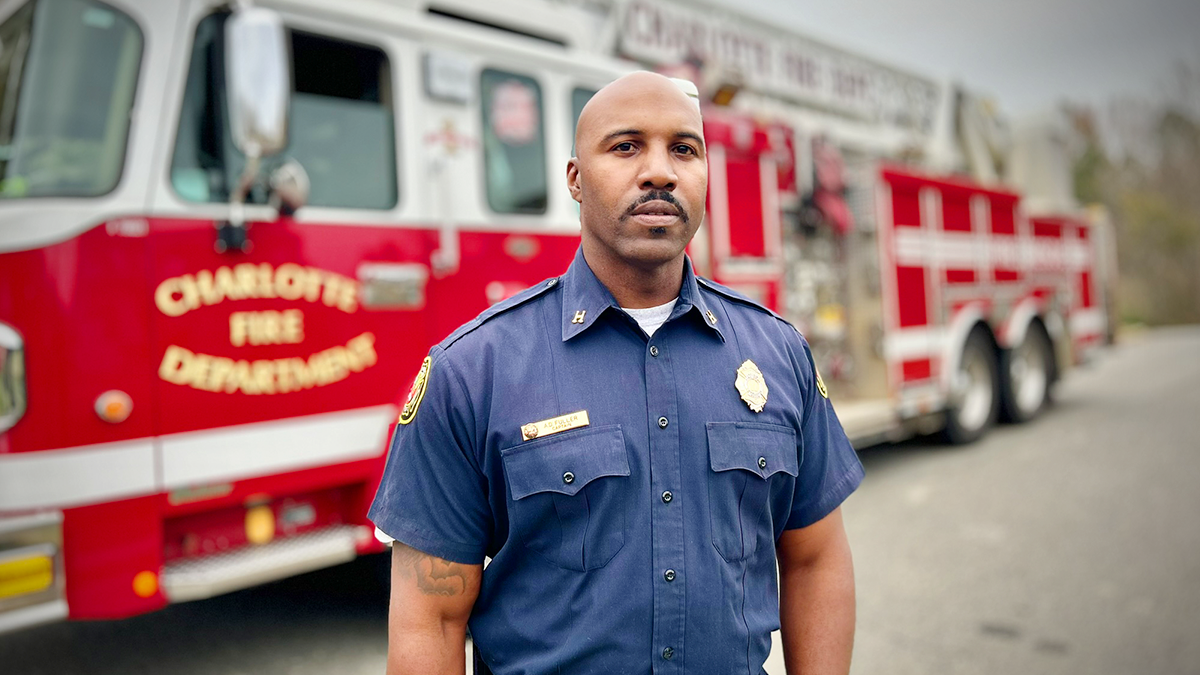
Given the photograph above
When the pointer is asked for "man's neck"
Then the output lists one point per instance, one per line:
(636, 287)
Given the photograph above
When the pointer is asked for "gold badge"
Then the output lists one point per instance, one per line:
(820, 383)
(751, 385)
(712, 318)
(554, 425)
(416, 394)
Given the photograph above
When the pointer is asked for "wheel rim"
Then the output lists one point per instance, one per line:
(1029, 377)
(975, 385)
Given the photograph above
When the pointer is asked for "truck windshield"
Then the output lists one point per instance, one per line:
(68, 69)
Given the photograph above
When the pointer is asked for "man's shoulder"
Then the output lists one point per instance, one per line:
(743, 304)
(500, 311)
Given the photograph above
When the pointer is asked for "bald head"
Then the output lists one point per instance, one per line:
(640, 176)
(642, 89)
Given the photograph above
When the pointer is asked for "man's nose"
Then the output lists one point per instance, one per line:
(658, 171)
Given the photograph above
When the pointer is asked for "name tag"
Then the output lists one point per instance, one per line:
(554, 425)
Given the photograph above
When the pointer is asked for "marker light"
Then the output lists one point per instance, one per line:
(114, 406)
(145, 584)
(26, 570)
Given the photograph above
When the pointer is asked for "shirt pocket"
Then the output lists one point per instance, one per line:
(747, 459)
(568, 494)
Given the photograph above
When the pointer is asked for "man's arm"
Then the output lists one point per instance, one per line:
(427, 623)
(816, 600)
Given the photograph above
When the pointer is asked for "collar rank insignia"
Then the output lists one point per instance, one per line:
(751, 385)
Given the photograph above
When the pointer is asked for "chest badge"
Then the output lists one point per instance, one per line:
(751, 385)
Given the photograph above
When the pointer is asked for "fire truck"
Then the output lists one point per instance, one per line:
(229, 233)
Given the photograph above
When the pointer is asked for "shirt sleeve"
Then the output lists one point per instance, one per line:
(432, 496)
(829, 468)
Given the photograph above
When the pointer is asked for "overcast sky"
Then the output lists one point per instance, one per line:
(1028, 54)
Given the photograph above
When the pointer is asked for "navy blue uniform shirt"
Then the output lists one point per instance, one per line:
(644, 541)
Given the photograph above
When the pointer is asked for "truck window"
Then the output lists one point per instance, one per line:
(340, 127)
(514, 142)
(68, 71)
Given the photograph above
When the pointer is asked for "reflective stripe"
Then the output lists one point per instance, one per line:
(248, 450)
(74, 476)
(105, 472)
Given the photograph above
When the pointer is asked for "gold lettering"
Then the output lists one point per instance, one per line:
(266, 286)
(333, 282)
(238, 328)
(291, 326)
(362, 349)
(289, 281)
(268, 327)
(306, 377)
(175, 364)
(246, 275)
(218, 374)
(264, 376)
(197, 374)
(348, 296)
(312, 284)
(339, 363)
(165, 300)
(267, 376)
(242, 379)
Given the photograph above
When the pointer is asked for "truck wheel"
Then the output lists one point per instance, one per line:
(1028, 376)
(974, 391)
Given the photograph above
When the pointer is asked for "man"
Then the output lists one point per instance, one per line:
(632, 446)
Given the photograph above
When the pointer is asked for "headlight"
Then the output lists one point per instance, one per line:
(12, 377)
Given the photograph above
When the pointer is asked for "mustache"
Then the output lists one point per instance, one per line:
(657, 195)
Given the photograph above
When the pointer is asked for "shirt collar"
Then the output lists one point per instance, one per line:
(585, 299)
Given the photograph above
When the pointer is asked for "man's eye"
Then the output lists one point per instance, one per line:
(624, 147)
(685, 150)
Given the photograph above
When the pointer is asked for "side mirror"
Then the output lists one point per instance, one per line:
(257, 80)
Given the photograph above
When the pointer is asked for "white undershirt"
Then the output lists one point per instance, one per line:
(651, 318)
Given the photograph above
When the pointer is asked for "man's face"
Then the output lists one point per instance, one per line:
(640, 174)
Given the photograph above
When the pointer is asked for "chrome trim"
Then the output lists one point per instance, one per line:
(55, 610)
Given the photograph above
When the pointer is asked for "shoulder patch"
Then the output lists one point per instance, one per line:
(499, 308)
(417, 393)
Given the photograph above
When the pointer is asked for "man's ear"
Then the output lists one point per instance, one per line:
(573, 180)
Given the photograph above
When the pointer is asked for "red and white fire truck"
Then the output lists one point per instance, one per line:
(229, 234)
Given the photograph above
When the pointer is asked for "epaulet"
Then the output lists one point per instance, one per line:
(499, 308)
(730, 294)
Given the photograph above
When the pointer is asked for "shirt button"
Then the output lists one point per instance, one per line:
(662, 423)
(653, 350)
(669, 575)
(568, 478)
(668, 653)
(762, 462)
(667, 497)
(551, 283)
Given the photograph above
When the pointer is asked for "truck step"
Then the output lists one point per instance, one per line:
(199, 578)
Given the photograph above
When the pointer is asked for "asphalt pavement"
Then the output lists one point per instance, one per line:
(1066, 545)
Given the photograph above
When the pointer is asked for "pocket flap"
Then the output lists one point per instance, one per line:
(564, 463)
(762, 449)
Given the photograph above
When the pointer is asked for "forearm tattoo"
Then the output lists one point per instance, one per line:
(433, 575)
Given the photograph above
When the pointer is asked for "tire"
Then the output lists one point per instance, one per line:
(1028, 376)
(975, 391)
